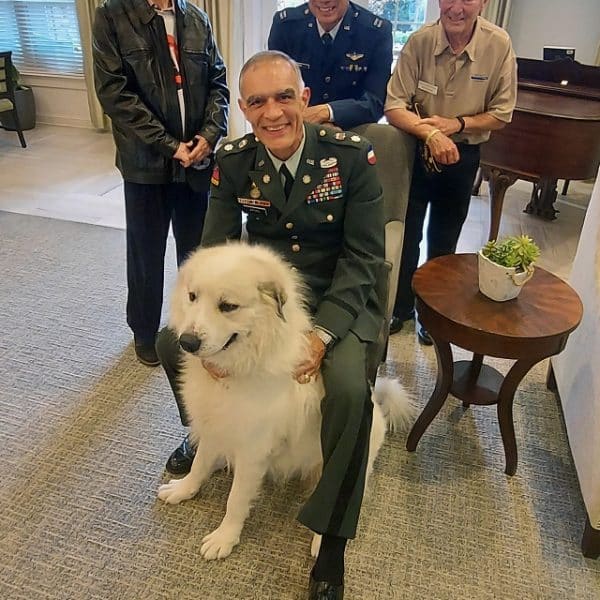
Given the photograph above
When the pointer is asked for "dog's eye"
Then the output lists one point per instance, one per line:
(226, 307)
(192, 296)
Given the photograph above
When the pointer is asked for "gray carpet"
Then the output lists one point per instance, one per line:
(85, 431)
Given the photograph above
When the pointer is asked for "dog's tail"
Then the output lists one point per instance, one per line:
(396, 405)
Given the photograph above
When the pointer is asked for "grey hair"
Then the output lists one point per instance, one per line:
(271, 56)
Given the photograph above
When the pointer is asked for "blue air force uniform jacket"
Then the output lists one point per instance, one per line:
(331, 228)
(352, 76)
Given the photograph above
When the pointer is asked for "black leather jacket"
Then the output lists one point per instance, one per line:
(134, 78)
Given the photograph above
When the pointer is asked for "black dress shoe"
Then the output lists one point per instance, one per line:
(423, 335)
(146, 353)
(397, 322)
(180, 461)
(395, 325)
(323, 590)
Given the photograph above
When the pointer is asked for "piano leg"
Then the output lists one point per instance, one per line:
(499, 181)
(477, 183)
(543, 198)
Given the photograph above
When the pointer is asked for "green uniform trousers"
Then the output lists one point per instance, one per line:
(334, 506)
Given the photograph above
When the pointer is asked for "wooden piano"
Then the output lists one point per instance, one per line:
(554, 134)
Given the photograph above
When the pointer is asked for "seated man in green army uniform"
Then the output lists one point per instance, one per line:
(312, 194)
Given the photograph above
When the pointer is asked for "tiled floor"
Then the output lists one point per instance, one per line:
(67, 173)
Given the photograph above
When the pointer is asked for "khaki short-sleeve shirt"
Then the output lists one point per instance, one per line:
(481, 79)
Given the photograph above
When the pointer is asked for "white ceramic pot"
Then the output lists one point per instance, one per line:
(501, 283)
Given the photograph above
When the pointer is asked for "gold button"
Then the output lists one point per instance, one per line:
(289, 226)
(329, 218)
(295, 247)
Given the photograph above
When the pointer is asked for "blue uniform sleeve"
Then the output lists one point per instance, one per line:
(368, 108)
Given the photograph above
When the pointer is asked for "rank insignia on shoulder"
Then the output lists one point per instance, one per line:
(340, 135)
(377, 22)
(215, 178)
(283, 14)
(371, 158)
(228, 147)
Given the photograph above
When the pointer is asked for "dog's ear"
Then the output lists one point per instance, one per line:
(274, 292)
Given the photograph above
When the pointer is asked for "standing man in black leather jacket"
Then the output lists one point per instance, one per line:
(161, 79)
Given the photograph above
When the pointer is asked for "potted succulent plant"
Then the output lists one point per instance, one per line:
(24, 104)
(505, 266)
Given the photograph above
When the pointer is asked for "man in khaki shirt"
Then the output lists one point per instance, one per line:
(460, 74)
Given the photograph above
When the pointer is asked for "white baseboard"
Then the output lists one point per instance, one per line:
(64, 121)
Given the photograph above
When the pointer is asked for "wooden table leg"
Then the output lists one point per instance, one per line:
(474, 371)
(590, 543)
(505, 415)
(445, 373)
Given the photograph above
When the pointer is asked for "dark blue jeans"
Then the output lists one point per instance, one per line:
(449, 194)
(149, 210)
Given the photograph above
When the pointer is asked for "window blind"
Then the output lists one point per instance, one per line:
(43, 36)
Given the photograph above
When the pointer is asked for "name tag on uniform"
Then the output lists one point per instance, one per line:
(427, 87)
(254, 205)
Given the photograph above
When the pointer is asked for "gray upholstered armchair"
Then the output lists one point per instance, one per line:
(395, 152)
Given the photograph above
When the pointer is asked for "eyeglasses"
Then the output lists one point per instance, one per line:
(465, 2)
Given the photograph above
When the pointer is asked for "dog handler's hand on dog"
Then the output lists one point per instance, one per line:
(312, 364)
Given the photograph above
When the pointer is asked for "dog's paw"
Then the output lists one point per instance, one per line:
(220, 542)
(177, 490)
(315, 545)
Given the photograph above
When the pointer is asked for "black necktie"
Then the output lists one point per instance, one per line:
(288, 180)
(327, 40)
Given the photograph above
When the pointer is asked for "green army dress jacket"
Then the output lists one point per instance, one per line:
(331, 228)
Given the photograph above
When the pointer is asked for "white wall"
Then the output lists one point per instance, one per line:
(60, 100)
(572, 23)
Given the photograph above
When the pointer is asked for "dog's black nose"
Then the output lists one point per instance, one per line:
(189, 342)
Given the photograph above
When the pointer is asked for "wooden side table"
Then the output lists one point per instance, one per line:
(533, 326)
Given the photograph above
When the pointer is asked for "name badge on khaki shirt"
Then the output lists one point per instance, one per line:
(427, 87)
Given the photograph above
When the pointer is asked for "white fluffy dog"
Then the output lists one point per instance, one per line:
(239, 310)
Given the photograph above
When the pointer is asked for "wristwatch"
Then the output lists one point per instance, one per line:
(327, 339)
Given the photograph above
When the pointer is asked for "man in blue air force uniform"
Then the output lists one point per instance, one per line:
(345, 55)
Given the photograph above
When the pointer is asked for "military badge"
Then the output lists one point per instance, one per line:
(266, 178)
(355, 138)
(215, 178)
(354, 55)
(326, 163)
(340, 135)
(371, 158)
(329, 189)
(254, 191)
(306, 179)
(228, 147)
